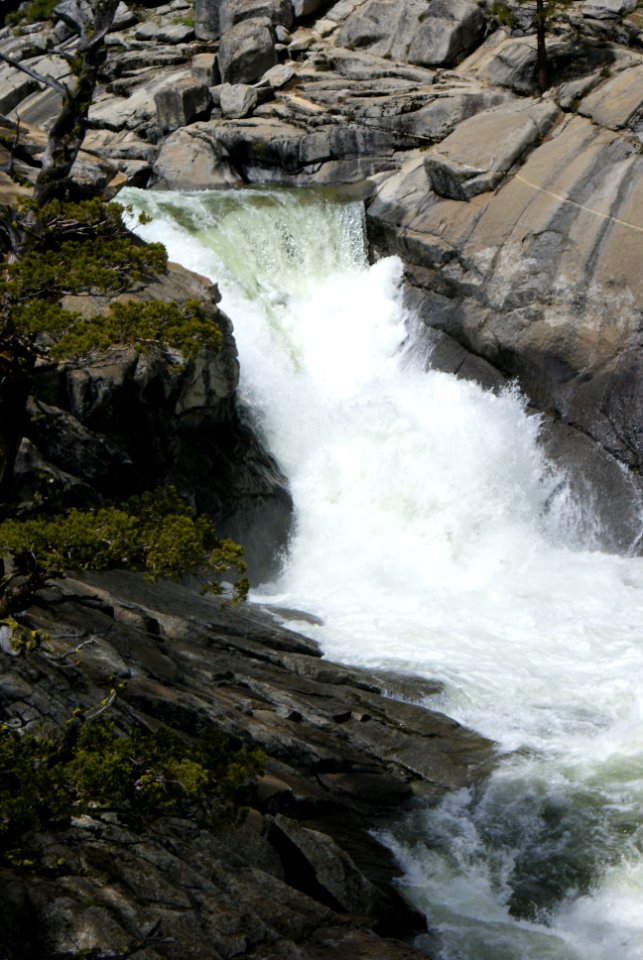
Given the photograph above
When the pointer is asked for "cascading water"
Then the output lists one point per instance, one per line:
(432, 538)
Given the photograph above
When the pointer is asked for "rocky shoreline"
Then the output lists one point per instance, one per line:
(346, 750)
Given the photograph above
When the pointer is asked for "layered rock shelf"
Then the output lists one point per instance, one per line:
(346, 751)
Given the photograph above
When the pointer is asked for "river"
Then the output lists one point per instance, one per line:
(432, 537)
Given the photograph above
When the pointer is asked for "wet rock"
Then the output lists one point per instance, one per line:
(247, 50)
(113, 424)
(301, 876)
(540, 280)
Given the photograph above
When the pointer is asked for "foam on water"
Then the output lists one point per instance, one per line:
(432, 537)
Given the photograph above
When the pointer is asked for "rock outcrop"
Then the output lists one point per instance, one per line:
(115, 423)
(345, 750)
(436, 34)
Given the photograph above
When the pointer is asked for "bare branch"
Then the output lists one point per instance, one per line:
(38, 77)
(102, 707)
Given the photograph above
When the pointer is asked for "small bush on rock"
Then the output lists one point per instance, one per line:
(84, 247)
(91, 767)
(33, 12)
(154, 533)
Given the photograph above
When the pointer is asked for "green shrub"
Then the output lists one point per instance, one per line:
(153, 532)
(84, 247)
(33, 12)
(139, 324)
(49, 777)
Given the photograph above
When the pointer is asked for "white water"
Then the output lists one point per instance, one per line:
(432, 538)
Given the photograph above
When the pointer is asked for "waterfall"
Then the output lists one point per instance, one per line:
(433, 538)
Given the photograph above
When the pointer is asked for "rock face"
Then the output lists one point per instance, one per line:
(438, 33)
(302, 877)
(518, 223)
(524, 277)
(116, 423)
(477, 156)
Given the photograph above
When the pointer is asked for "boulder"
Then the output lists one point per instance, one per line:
(237, 99)
(439, 34)
(180, 104)
(247, 51)
(608, 9)
(205, 68)
(279, 75)
(304, 8)
(151, 420)
(234, 11)
(617, 103)
(194, 160)
(477, 156)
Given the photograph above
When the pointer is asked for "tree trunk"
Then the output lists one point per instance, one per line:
(15, 370)
(541, 24)
(68, 131)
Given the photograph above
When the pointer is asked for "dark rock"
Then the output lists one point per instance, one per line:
(207, 23)
(114, 424)
(302, 875)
